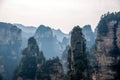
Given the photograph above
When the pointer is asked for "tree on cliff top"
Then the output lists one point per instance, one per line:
(102, 26)
(77, 57)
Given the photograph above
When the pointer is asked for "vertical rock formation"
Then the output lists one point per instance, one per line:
(107, 46)
(31, 60)
(77, 56)
(59, 34)
(64, 60)
(27, 32)
(89, 35)
(47, 42)
(51, 70)
(10, 47)
(90, 42)
(65, 42)
(34, 67)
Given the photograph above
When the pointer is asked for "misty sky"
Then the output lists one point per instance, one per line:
(63, 14)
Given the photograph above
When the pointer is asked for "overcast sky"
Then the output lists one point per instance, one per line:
(63, 14)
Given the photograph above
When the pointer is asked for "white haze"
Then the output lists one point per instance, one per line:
(63, 14)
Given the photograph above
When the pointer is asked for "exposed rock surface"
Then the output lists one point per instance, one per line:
(58, 40)
(31, 60)
(89, 35)
(51, 70)
(59, 34)
(33, 65)
(27, 32)
(10, 47)
(65, 42)
(108, 39)
(64, 59)
(90, 42)
(47, 42)
(77, 56)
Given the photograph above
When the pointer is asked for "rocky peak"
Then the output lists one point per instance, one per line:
(10, 49)
(89, 36)
(27, 32)
(34, 67)
(45, 39)
(32, 59)
(44, 32)
(9, 33)
(87, 28)
(59, 34)
(107, 45)
(32, 44)
(76, 38)
(27, 29)
(32, 48)
(77, 56)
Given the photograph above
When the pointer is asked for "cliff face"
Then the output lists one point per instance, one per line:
(89, 35)
(118, 34)
(47, 42)
(59, 34)
(107, 42)
(10, 47)
(31, 60)
(104, 44)
(51, 70)
(55, 70)
(27, 32)
(64, 59)
(77, 56)
(34, 67)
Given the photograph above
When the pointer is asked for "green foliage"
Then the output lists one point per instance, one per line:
(28, 68)
(30, 58)
(102, 26)
(77, 30)
(49, 68)
(115, 53)
(77, 59)
(34, 66)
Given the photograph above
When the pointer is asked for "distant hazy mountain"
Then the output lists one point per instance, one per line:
(28, 29)
(48, 43)
(10, 48)
(59, 34)
(52, 42)
(89, 35)
(27, 32)
(64, 59)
